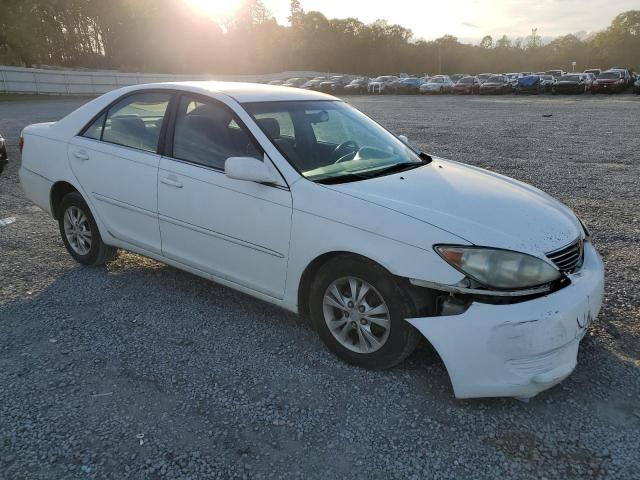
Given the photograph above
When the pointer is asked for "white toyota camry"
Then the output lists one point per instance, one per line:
(298, 199)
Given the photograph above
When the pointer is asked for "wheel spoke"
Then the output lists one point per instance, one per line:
(338, 296)
(343, 334)
(381, 322)
(379, 310)
(363, 344)
(354, 286)
(370, 337)
(332, 302)
(364, 289)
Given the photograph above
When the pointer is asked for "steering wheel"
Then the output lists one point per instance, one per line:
(348, 144)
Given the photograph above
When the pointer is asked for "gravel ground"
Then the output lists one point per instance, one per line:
(139, 370)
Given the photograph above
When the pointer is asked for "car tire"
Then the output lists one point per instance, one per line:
(80, 233)
(357, 338)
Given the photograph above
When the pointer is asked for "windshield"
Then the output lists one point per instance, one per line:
(495, 80)
(383, 79)
(570, 78)
(466, 80)
(330, 141)
(606, 75)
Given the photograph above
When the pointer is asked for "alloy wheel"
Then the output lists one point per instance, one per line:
(356, 314)
(77, 230)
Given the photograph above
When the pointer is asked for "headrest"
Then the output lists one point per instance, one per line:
(130, 125)
(271, 125)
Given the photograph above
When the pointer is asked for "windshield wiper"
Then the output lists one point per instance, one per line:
(349, 177)
(396, 168)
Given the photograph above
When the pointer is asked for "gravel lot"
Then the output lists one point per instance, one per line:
(139, 370)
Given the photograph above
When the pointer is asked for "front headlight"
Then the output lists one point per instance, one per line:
(500, 269)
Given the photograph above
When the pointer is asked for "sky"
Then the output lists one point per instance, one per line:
(470, 20)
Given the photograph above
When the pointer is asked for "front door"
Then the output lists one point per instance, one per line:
(233, 229)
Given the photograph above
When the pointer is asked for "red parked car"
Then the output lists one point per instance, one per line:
(609, 82)
(467, 85)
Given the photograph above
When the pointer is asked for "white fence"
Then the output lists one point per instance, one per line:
(74, 82)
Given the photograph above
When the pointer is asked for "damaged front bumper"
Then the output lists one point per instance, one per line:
(518, 349)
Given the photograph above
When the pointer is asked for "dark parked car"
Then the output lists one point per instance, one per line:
(4, 158)
(467, 85)
(295, 82)
(335, 84)
(314, 83)
(530, 84)
(636, 86)
(456, 77)
(572, 83)
(609, 82)
(357, 86)
(408, 86)
(497, 84)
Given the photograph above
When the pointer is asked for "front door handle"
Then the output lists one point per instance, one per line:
(171, 181)
(81, 154)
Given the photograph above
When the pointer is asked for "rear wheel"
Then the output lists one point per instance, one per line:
(80, 233)
(359, 312)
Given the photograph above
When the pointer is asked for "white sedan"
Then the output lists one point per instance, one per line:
(300, 200)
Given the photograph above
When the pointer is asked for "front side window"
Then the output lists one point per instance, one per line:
(331, 141)
(207, 133)
(136, 121)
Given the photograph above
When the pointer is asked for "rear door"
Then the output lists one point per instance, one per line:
(116, 163)
(233, 229)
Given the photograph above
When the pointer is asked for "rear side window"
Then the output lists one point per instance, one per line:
(207, 133)
(136, 121)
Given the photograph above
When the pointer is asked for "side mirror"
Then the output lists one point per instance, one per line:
(403, 139)
(250, 169)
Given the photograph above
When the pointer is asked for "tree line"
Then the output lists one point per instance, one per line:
(168, 36)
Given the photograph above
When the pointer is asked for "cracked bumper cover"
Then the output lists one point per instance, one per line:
(521, 349)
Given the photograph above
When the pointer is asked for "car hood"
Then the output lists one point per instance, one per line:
(479, 206)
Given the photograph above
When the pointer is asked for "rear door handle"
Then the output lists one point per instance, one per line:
(171, 181)
(82, 155)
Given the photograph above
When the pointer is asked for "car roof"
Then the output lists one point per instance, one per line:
(242, 92)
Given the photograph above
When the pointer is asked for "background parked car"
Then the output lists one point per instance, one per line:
(437, 84)
(409, 86)
(611, 81)
(314, 83)
(275, 82)
(636, 86)
(483, 77)
(357, 86)
(547, 82)
(497, 84)
(555, 73)
(4, 158)
(594, 71)
(455, 78)
(571, 83)
(530, 84)
(295, 82)
(467, 85)
(513, 78)
(380, 84)
(589, 79)
(626, 74)
(335, 84)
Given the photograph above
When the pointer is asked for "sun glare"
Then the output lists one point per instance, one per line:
(216, 9)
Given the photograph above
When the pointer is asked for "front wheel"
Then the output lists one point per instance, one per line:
(359, 312)
(80, 233)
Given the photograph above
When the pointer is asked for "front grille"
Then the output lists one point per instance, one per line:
(568, 259)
